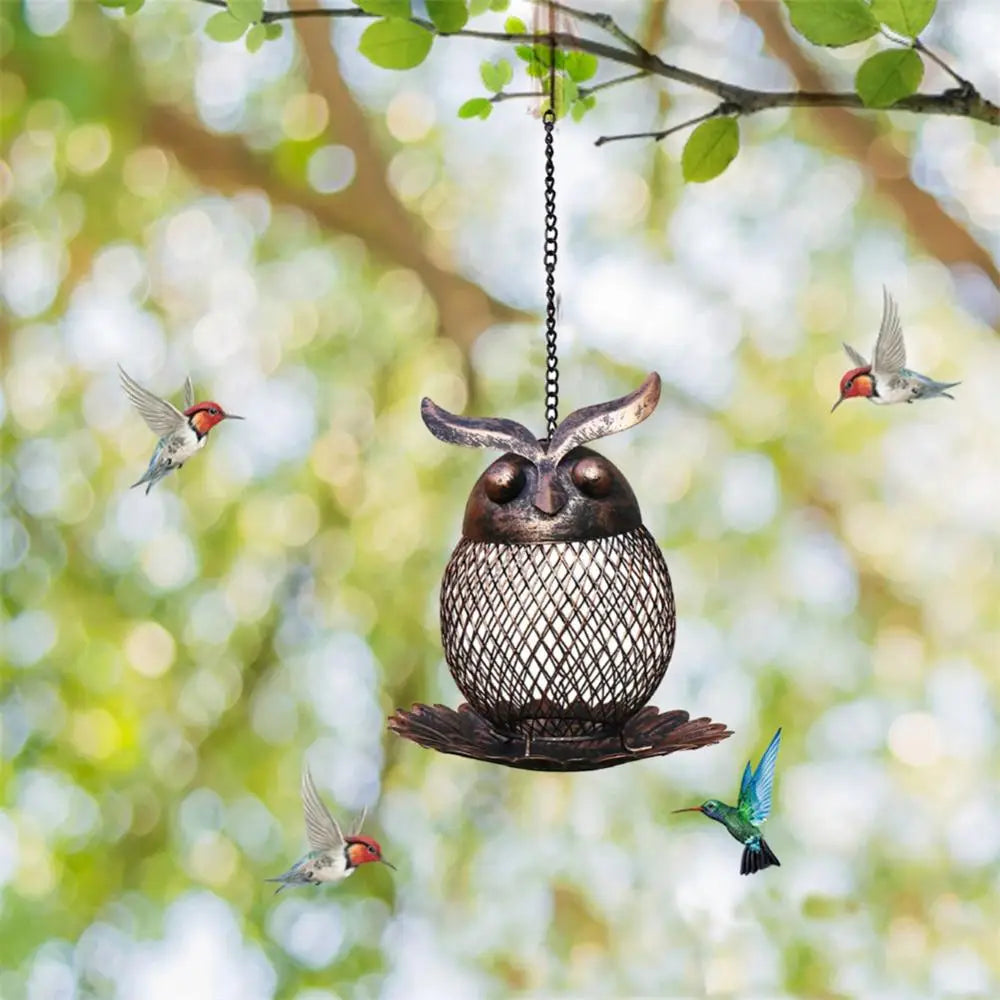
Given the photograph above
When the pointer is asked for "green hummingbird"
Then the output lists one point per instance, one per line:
(752, 809)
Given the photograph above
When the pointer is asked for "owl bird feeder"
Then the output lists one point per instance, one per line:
(557, 614)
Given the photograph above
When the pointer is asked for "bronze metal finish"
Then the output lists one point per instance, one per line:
(649, 733)
(512, 503)
(557, 613)
(563, 639)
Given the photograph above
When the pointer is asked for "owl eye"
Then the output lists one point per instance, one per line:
(504, 482)
(592, 477)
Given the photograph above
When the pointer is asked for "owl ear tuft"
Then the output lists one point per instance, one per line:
(602, 419)
(480, 432)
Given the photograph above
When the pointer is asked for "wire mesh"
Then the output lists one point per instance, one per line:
(565, 640)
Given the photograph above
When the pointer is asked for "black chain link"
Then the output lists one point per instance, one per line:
(551, 252)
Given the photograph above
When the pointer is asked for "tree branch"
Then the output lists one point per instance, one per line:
(958, 102)
(225, 163)
(723, 109)
(510, 95)
(963, 101)
(861, 139)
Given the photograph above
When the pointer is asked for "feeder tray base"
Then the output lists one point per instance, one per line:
(649, 733)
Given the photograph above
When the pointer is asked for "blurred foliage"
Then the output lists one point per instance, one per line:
(170, 659)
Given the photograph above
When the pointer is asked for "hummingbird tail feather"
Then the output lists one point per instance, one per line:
(756, 857)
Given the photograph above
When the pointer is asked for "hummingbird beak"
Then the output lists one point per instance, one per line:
(389, 863)
(233, 416)
(835, 405)
(689, 809)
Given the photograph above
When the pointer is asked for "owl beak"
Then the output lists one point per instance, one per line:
(549, 498)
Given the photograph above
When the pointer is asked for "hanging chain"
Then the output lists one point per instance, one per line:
(551, 249)
(551, 244)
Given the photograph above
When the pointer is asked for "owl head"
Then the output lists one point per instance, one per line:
(548, 490)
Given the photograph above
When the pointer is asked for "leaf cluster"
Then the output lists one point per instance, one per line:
(400, 39)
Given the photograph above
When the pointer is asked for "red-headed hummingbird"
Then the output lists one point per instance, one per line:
(887, 379)
(754, 804)
(332, 857)
(181, 433)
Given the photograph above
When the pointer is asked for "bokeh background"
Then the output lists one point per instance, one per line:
(321, 243)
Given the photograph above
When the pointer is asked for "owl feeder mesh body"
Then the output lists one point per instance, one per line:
(558, 640)
(557, 615)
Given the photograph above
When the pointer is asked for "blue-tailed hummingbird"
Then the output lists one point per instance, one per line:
(752, 809)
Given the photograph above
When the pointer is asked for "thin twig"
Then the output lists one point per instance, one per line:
(513, 95)
(723, 109)
(604, 21)
(918, 46)
(587, 91)
(268, 16)
(965, 101)
(966, 85)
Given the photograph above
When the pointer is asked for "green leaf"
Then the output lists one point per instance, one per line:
(273, 31)
(711, 147)
(515, 26)
(566, 95)
(386, 8)
(832, 22)
(133, 6)
(448, 15)
(581, 65)
(887, 76)
(256, 37)
(477, 107)
(499, 6)
(477, 7)
(905, 17)
(247, 11)
(582, 106)
(223, 27)
(395, 44)
(496, 75)
(112, 3)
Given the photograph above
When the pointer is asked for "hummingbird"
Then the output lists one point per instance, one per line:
(754, 804)
(181, 433)
(887, 379)
(332, 857)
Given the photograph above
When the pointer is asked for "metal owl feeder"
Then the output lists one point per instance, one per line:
(557, 614)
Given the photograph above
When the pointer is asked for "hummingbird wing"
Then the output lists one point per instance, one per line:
(188, 393)
(856, 359)
(161, 417)
(755, 795)
(746, 785)
(322, 829)
(356, 828)
(890, 350)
